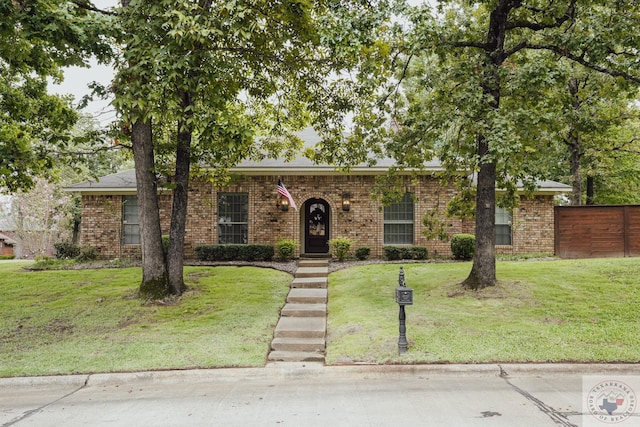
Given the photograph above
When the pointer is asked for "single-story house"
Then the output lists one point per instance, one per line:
(330, 204)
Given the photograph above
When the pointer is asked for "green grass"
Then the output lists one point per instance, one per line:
(542, 311)
(83, 321)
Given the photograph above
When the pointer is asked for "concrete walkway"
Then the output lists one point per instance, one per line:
(300, 335)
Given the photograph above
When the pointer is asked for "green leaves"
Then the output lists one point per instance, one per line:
(36, 39)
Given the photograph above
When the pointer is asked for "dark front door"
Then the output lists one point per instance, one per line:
(316, 219)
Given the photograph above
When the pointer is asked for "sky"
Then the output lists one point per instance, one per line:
(77, 80)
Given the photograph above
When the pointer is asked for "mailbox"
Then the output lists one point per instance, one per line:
(404, 295)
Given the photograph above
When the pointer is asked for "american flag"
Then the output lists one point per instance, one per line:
(283, 191)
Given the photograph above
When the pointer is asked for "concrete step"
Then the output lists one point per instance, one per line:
(298, 344)
(311, 272)
(307, 296)
(304, 310)
(309, 282)
(301, 327)
(313, 263)
(295, 356)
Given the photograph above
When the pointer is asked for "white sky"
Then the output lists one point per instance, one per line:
(77, 80)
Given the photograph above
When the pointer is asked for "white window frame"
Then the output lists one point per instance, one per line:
(233, 226)
(503, 227)
(399, 222)
(130, 220)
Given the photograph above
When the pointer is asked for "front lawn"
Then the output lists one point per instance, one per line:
(542, 311)
(83, 321)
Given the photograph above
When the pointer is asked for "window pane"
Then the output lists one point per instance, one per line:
(503, 226)
(131, 234)
(130, 221)
(398, 234)
(503, 234)
(398, 222)
(233, 207)
(400, 211)
(233, 218)
(232, 234)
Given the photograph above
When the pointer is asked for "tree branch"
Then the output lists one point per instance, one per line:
(84, 4)
(568, 14)
(477, 45)
(580, 59)
(384, 99)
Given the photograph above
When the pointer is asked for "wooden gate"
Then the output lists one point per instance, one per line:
(597, 231)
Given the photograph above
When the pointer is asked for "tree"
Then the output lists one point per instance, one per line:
(485, 66)
(596, 116)
(218, 82)
(40, 217)
(37, 38)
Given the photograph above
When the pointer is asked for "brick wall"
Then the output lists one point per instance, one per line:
(363, 223)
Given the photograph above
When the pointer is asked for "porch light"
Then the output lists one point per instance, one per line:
(346, 202)
(282, 204)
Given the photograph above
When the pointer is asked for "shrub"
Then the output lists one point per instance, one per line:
(463, 246)
(363, 253)
(87, 253)
(255, 252)
(48, 263)
(234, 252)
(66, 250)
(393, 253)
(340, 247)
(286, 249)
(2, 257)
(419, 252)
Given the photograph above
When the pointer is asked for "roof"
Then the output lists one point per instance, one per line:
(125, 182)
(304, 166)
(7, 240)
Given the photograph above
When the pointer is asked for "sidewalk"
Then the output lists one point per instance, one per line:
(310, 394)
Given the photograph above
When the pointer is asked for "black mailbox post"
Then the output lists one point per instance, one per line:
(404, 296)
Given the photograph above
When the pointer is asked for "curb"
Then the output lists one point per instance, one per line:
(302, 370)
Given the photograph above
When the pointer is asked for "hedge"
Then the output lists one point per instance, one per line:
(405, 252)
(234, 252)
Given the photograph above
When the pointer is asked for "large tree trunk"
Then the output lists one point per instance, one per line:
(154, 274)
(591, 193)
(483, 272)
(575, 158)
(575, 150)
(175, 254)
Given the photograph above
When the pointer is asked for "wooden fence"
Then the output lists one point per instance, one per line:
(597, 231)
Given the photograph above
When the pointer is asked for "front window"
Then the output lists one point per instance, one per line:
(503, 226)
(130, 221)
(233, 218)
(398, 222)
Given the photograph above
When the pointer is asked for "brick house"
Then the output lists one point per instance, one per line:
(330, 204)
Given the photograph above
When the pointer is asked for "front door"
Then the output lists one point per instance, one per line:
(316, 219)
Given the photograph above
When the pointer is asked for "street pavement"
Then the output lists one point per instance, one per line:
(310, 394)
